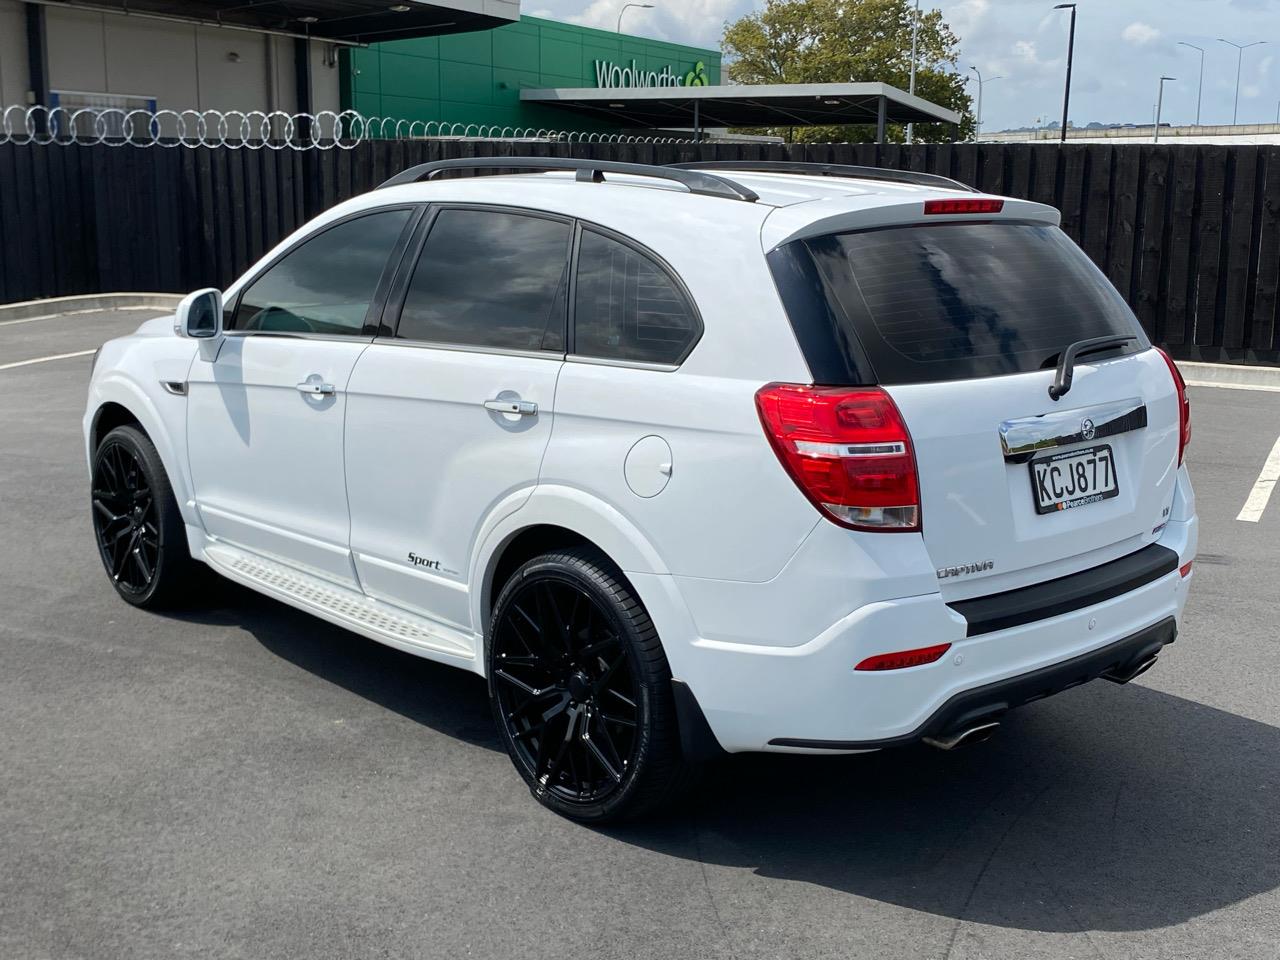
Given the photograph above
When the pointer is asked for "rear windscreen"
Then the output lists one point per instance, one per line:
(955, 301)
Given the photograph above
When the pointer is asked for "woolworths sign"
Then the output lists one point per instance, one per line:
(610, 75)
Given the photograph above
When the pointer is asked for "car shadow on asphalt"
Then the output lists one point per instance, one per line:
(1104, 808)
(443, 698)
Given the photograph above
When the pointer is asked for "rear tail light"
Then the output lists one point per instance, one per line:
(849, 452)
(1185, 570)
(978, 205)
(1184, 406)
(904, 658)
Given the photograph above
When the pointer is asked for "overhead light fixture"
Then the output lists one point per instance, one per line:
(616, 106)
(400, 8)
(308, 19)
(832, 103)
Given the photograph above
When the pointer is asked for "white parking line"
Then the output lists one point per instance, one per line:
(1261, 492)
(76, 313)
(56, 356)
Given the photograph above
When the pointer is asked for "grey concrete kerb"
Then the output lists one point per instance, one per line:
(91, 303)
(1236, 375)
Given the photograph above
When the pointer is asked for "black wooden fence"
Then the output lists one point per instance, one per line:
(1190, 235)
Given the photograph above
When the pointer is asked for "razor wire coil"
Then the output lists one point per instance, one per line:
(261, 130)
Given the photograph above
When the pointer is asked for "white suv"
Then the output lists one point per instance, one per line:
(736, 458)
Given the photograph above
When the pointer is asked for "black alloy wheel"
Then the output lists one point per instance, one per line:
(136, 522)
(581, 689)
(124, 518)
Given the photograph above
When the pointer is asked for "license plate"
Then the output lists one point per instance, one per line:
(1074, 479)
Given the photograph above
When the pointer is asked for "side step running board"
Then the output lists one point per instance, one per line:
(342, 606)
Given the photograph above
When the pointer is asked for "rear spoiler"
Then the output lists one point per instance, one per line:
(820, 218)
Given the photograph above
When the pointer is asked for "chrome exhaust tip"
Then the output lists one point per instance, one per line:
(963, 738)
(1125, 674)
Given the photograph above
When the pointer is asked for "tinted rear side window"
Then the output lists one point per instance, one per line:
(490, 279)
(963, 300)
(629, 307)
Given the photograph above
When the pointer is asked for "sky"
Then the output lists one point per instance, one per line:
(1122, 49)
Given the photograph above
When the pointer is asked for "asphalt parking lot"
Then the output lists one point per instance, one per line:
(243, 780)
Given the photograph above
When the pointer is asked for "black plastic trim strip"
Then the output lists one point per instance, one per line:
(988, 702)
(697, 741)
(1013, 608)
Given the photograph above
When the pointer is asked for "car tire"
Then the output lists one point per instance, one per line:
(141, 537)
(581, 689)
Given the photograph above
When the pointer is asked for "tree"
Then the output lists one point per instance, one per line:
(849, 41)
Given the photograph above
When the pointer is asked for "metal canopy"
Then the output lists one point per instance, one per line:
(774, 105)
(346, 21)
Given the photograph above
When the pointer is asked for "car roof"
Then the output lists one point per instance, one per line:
(789, 205)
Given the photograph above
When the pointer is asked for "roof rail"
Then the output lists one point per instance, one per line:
(589, 171)
(831, 170)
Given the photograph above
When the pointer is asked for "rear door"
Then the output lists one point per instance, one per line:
(449, 412)
(963, 323)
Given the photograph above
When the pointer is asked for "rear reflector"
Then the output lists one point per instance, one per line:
(904, 658)
(1185, 569)
(980, 205)
(848, 450)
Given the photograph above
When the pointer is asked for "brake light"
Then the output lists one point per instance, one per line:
(1185, 570)
(1184, 406)
(976, 205)
(848, 450)
(904, 658)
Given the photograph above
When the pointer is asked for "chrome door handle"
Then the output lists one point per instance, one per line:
(314, 388)
(520, 408)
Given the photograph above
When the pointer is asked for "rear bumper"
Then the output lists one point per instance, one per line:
(990, 701)
(807, 697)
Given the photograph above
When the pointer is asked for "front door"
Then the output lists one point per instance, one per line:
(448, 419)
(265, 419)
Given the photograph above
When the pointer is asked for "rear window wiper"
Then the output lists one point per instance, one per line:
(1067, 360)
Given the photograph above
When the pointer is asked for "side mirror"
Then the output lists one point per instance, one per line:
(199, 315)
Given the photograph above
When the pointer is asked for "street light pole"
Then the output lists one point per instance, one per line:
(1240, 49)
(1160, 105)
(1200, 86)
(911, 87)
(1071, 46)
(977, 120)
(628, 6)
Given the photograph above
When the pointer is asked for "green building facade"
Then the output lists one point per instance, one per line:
(476, 78)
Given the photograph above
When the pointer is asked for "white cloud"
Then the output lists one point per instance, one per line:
(1140, 34)
(1025, 50)
(698, 22)
(967, 15)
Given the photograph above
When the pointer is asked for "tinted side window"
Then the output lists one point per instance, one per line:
(326, 284)
(628, 307)
(489, 279)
